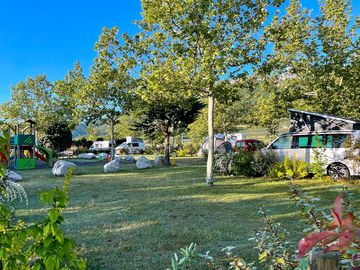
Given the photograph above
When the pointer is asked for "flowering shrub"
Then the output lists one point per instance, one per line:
(223, 163)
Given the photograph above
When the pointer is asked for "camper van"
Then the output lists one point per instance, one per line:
(101, 146)
(131, 146)
(311, 132)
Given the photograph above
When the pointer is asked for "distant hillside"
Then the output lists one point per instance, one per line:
(79, 131)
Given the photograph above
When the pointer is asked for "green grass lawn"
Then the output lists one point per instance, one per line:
(136, 219)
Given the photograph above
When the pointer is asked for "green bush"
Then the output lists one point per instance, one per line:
(238, 163)
(58, 137)
(264, 161)
(290, 168)
(181, 153)
(189, 149)
(242, 164)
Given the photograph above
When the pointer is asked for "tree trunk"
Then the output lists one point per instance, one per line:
(209, 168)
(112, 124)
(166, 160)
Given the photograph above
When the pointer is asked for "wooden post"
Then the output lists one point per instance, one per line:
(324, 261)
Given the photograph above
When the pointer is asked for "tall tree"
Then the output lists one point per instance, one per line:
(203, 41)
(281, 80)
(31, 99)
(124, 128)
(337, 70)
(65, 95)
(108, 92)
(312, 64)
(167, 119)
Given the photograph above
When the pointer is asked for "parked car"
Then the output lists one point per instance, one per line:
(331, 145)
(250, 145)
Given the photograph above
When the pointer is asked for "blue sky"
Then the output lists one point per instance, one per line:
(47, 37)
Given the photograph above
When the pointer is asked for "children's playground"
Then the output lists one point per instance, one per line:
(25, 152)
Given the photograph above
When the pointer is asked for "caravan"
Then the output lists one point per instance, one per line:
(327, 134)
(101, 146)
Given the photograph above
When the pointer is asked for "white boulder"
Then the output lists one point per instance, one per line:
(13, 176)
(61, 167)
(158, 160)
(129, 158)
(143, 163)
(112, 166)
(87, 156)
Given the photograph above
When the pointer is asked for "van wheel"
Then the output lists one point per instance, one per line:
(338, 170)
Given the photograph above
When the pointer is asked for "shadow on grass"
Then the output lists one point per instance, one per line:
(136, 219)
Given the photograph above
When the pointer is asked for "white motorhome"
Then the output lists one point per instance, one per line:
(232, 138)
(323, 133)
(101, 146)
(132, 146)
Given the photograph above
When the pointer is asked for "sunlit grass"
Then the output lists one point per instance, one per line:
(136, 219)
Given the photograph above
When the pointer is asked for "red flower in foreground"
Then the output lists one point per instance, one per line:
(342, 233)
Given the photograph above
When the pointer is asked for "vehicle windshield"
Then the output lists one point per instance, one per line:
(282, 143)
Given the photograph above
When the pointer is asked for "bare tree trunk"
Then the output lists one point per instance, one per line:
(112, 124)
(209, 168)
(167, 149)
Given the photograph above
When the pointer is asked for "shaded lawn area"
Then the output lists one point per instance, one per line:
(136, 219)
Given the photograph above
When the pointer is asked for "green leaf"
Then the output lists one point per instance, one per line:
(47, 229)
(54, 229)
(53, 214)
(52, 263)
(47, 242)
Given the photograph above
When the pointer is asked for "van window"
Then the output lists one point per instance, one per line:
(336, 140)
(303, 141)
(317, 141)
(135, 145)
(282, 143)
(300, 142)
